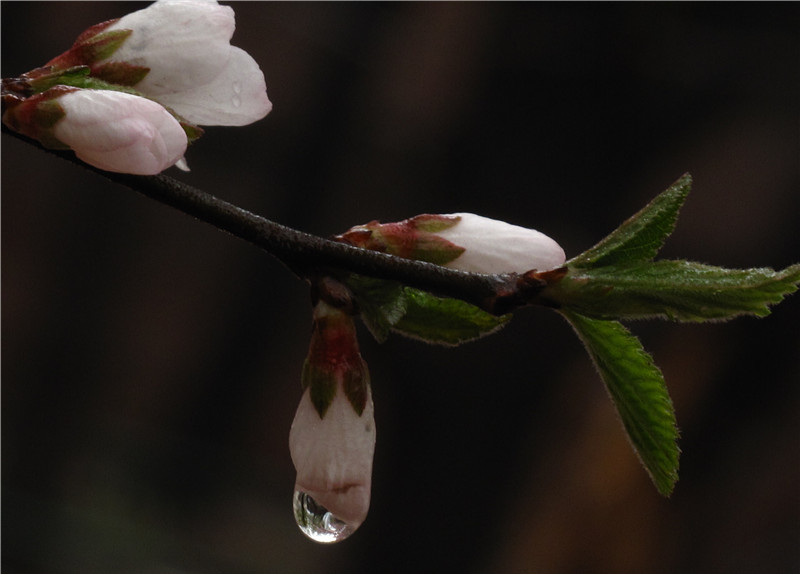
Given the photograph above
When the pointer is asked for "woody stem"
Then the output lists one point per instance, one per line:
(305, 254)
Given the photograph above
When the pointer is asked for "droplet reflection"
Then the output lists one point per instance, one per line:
(317, 522)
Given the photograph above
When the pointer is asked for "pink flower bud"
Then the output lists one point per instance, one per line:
(492, 246)
(332, 439)
(119, 132)
(462, 241)
(193, 69)
(333, 458)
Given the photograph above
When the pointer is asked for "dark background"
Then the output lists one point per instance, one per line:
(151, 362)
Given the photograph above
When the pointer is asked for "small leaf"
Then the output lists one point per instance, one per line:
(677, 290)
(381, 303)
(641, 236)
(637, 388)
(445, 321)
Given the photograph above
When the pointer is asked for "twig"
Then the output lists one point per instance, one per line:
(306, 254)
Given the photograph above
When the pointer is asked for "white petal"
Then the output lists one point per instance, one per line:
(333, 456)
(236, 97)
(493, 246)
(120, 132)
(183, 42)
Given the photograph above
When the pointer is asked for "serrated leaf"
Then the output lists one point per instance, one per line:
(642, 235)
(677, 290)
(638, 391)
(445, 321)
(381, 303)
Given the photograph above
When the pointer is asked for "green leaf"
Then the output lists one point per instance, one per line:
(387, 306)
(445, 321)
(640, 237)
(381, 303)
(677, 290)
(637, 388)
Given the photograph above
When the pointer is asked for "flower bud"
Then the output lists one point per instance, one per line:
(492, 246)
(192, 68)
(462, 241)
(332, 439)
(111, 130)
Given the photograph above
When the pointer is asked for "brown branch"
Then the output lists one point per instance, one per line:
(308, 255)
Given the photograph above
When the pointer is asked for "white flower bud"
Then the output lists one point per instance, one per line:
(493, 246)
(193, 68)
(333, 456)
(120, 132)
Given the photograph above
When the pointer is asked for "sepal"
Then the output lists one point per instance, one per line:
(334, 362)
(413, 238)
(92, 45)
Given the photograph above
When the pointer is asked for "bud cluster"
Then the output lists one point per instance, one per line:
(131, 93)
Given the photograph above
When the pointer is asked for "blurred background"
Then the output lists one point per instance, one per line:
(151, 362)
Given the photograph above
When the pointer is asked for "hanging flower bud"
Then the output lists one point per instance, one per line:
(332, 439)
(110, 130)
(191, 67)
(462, 241)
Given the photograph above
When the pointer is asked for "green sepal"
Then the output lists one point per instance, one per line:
(192, 131)
(676, 290)
(356, 385)
(120, 73)
(434, 249)
(36, 116)
(321, 384)
(103, 45)
(445, 321)
(638, 391)
(93, 45)
(78, 77)
(641, 236)
(431, 223)
(43, 79)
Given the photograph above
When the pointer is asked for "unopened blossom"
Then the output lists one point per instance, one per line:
(173, 58)
(191, 66)
(493, 246)
(332, 439)
(110, 130)
(463, 241)
(120, 132)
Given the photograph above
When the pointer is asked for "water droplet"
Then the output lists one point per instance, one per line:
(317, 522)
(237, 101)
